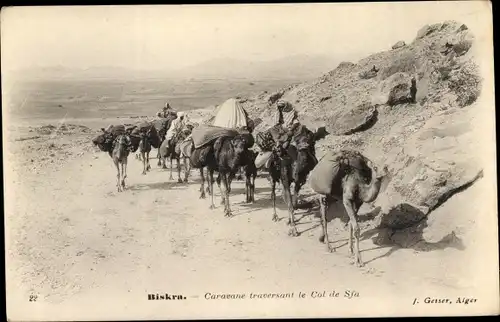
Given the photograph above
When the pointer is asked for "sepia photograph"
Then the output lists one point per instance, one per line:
(235, 161)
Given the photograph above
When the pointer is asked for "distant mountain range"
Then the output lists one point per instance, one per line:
(301, 67)
(291, 67)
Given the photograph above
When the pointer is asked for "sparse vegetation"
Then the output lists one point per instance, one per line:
(466, 83)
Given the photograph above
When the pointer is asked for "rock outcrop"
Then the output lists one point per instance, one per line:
(412, 115)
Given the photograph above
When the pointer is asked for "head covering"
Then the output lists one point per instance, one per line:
(180, 114)
(167, 106)
(281, 103)
(158, 114)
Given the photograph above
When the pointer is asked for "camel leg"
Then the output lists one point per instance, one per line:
(124, 172)
(222, 194)
(159, 157)
(273, 197)
(179, 180)
(171, 161)
(187, 169)
(227, 205)
(202, 188)
(148, 167)
(324, 224)
(163, 162)
(291, 220)
(208, 180)
(252, 194)
(350, 248)
(247, 189)
(295, 198)
(143, 154)
(351, 212)
(118, 176)
(211, 185)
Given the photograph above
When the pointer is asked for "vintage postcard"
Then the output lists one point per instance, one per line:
(249, 161)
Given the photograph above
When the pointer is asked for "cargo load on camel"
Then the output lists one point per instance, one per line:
(230, 114)
(332, 167)
(205, 134)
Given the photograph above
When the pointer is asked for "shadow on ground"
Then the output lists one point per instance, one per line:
(409, 236)
(158, 186)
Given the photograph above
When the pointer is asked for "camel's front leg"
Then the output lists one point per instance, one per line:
(159, 157)
(227, 204)
(179, 180)
(208, 180)
(171, 168)
(252, 194)
(222, 193)
(211, 185)
(273, 198)
(143, 162)
(148, 166)
(295, 199)
(124, 172)
(202, 188)
(187, 169)
(119, 187)
(351, 212)
(291, 218)
(324, 224)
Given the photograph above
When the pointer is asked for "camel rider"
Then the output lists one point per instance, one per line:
(166, 111)
(176, 126)
(285, 123)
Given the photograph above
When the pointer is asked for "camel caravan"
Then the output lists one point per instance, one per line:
(228, 148)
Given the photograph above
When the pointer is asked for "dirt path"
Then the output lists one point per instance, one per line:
(74, 241)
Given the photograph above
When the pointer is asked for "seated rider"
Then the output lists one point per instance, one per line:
(285, 124)
(176, 126)
(166, 111)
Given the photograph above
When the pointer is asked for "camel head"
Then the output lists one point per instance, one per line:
(379, 174)
(98, 139)
(239, 144)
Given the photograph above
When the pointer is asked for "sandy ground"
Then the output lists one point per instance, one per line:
(86, 251)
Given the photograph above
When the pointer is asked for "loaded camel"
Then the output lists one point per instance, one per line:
(225, 155)
(144, 150)
(354, 180)
(292, 164)
(119, 154)
(172, 150)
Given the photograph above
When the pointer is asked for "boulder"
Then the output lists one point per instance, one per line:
(394, 90)
(399, 44)
(437, 161)
(357, 119)
(427, 30)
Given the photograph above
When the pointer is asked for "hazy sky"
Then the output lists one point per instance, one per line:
(165, 37)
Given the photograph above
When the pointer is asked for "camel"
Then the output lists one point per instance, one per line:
(250, 171)
(230, 155)
(119, 154)
(162, 126)
(358, 181)
(225, 155)
(292, 164)
(145, 149)
(172, 150)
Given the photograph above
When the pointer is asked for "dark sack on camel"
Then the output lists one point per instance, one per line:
(205, 134)
(265, 141)
(117, 130)
(325, 173)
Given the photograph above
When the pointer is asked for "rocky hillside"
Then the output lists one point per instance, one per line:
(426, 138)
